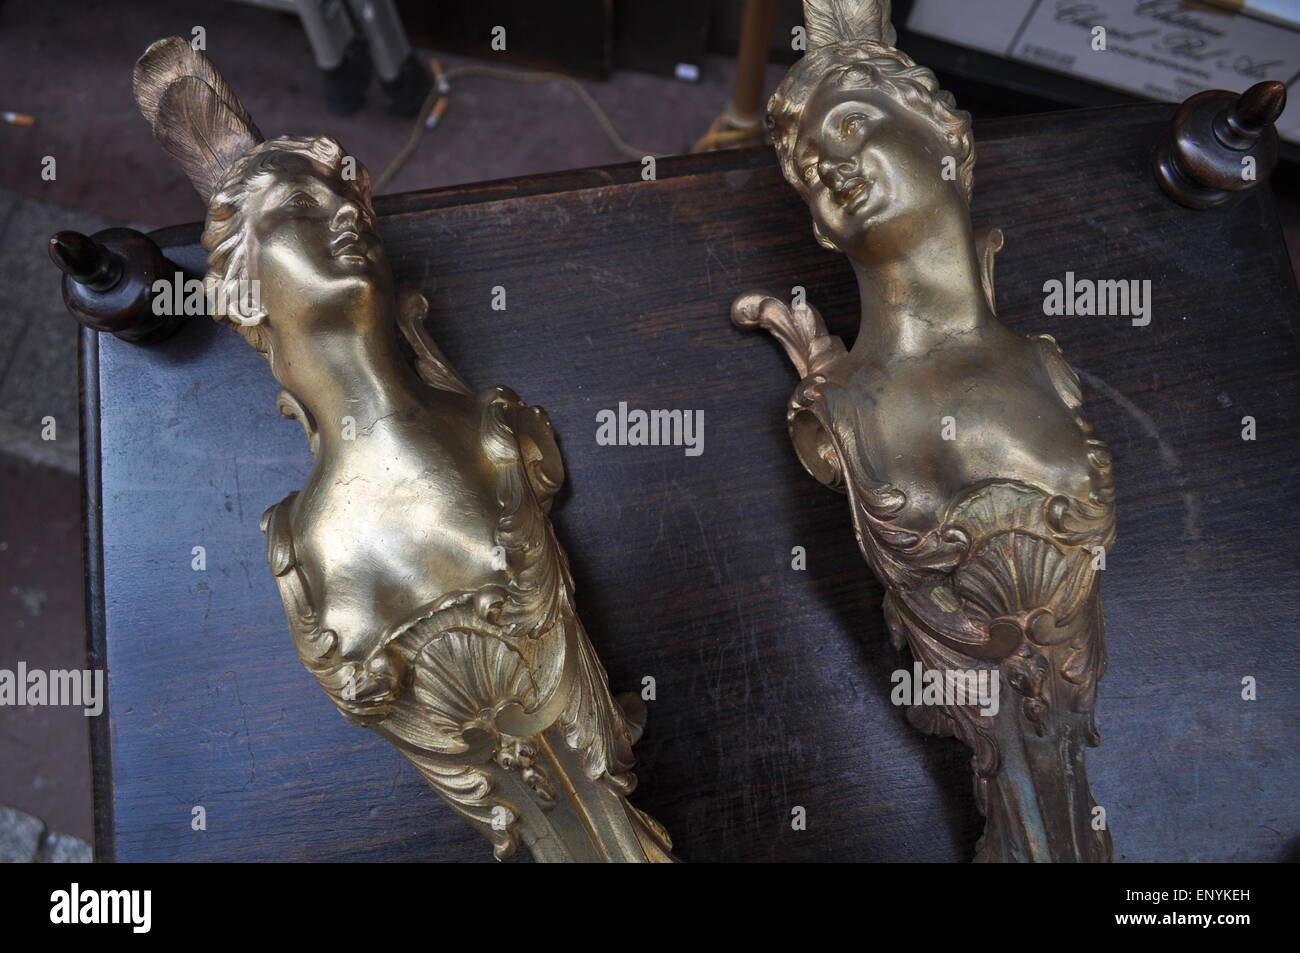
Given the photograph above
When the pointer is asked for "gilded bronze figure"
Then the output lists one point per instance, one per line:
(421, 578)
(979, 495)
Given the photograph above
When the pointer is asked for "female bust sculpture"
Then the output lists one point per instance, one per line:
(980, 497)
(422, 582)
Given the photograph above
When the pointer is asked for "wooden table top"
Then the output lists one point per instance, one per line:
(772, 684)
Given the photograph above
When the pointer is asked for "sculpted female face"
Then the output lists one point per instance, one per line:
(872, 166)
(313, 249)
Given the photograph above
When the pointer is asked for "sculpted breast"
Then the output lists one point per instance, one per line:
(935, 428)
(382, 535)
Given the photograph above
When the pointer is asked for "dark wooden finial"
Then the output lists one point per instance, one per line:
(84, 260)
(108, 282)
(1220, 144)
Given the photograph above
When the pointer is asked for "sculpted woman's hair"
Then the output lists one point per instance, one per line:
(865, 64)
(225, 236)
(200, 123)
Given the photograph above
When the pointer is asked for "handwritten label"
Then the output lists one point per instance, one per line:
(1157, 49)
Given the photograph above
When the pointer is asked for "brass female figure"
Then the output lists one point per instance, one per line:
(980, 497)
(420, 575)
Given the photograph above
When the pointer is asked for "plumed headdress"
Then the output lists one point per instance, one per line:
(853, 41)
(195, 116)
(841, 21)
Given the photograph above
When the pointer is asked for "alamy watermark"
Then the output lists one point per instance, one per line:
(651, 428)
(180, 295)
(77, 906)
(1087, 297)
(58, 687)
(948, 687)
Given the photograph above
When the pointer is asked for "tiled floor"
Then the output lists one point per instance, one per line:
(38, 338)
(25, 839)
(44, 751)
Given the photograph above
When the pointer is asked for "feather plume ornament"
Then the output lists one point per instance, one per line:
(195, 115)
(842, 21)
(166, 61)
(197, 129)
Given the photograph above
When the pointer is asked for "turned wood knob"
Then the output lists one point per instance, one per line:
(108, 282)
(1220, 144)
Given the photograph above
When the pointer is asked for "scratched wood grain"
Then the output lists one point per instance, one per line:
(772, 684)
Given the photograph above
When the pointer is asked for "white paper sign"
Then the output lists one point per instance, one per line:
(1160, 49)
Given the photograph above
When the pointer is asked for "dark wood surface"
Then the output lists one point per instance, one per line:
(772, 684)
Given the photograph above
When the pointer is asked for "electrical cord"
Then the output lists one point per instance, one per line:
(436, 102)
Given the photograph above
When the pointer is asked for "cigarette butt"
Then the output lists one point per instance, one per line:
(18, 119)
(435, 114)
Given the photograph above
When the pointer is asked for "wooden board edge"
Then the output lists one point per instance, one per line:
(92, 540)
